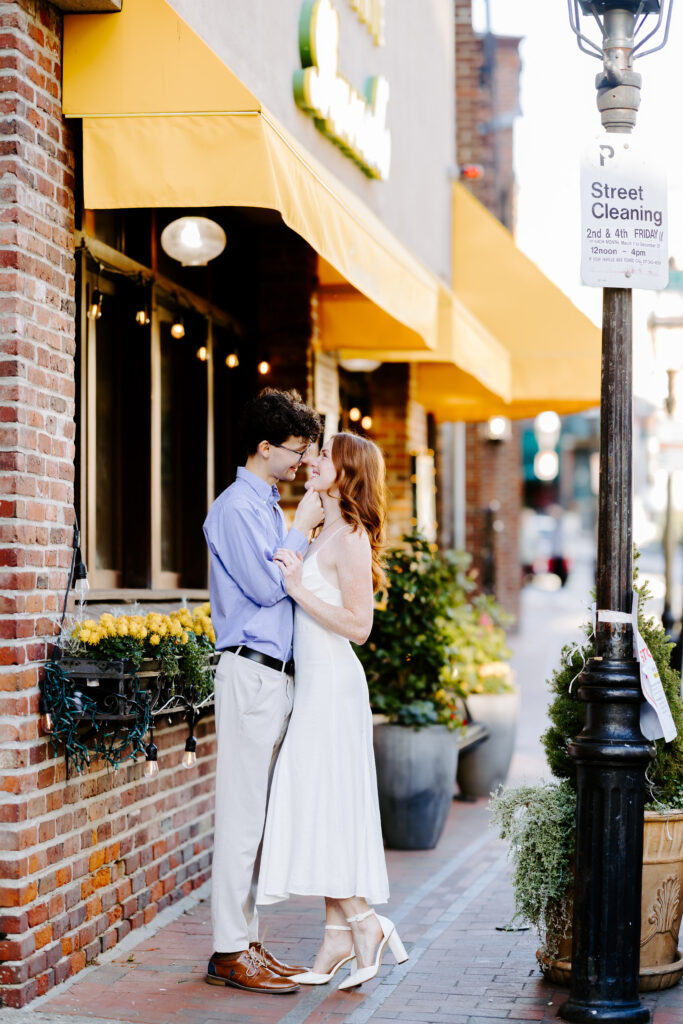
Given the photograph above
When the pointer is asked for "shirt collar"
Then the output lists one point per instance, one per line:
(268, 495)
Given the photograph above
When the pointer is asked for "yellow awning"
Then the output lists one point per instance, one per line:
(351, 325)
(524, 327)
(167, 124)
(554, 348)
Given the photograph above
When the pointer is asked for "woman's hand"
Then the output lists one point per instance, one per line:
(291, 566)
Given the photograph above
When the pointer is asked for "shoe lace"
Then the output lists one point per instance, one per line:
(257, 958)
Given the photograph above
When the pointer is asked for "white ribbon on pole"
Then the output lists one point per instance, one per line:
(656, 721)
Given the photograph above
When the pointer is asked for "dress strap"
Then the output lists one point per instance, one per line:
(329, 537)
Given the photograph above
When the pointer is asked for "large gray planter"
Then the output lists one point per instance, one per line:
(483, 769)
(415, 772)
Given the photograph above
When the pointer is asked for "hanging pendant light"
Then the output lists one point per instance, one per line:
(193, 241)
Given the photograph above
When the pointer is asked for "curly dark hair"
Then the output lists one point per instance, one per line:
(274, 415)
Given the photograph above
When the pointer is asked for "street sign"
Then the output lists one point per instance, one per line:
(623, 215)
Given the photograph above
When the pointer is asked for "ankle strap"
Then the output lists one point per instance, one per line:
(337, 928)
(360, 917)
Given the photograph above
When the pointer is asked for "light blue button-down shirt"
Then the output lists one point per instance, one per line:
(249, 603)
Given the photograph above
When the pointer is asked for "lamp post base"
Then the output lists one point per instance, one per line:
(583, 1013)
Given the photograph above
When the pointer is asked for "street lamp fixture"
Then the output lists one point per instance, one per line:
(610, 753)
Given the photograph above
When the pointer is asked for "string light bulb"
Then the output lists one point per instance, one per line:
(232, 361)
(190, 755)
(142, 316)
(354, 414)
(46, 721)
(366, 422)
(264, 367)
(151, 769)
(95, 305)
(178, 328)
(203, 353)
(80, 584)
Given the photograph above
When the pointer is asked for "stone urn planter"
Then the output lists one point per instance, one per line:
(415, 772)
(485, 767)
(661, 962)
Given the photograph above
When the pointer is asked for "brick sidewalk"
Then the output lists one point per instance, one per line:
(446, 903)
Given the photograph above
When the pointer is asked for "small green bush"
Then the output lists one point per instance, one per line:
(432, 639)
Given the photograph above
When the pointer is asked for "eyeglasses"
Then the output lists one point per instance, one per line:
(293, 451)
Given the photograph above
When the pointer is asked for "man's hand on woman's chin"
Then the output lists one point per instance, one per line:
(309, 512)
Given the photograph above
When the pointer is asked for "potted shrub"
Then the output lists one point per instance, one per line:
(539, 821)
(478, 671)
(407, 660)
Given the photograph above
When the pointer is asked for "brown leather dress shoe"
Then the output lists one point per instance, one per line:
(247, 971)
(275, 965)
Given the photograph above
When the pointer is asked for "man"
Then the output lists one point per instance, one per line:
(253, 621)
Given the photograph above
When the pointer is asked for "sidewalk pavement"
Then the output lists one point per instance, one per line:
(447, 904)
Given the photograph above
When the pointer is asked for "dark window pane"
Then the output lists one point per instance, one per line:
(107, 448)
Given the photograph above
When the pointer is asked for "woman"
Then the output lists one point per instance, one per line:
(323, 835)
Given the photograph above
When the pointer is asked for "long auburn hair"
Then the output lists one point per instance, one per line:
(361, 484)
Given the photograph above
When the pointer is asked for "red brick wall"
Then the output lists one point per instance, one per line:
(399, 428)
(494, 480)
(487, 87)
(83, 861)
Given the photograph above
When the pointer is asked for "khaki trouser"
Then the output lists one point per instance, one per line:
(253, 704)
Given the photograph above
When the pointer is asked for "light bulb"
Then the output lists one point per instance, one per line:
(178, 328)
(151, 765)
(46, 720)
(95, 305)
(203, 353)
(82, 587)
(354, 414)
(366, 422)
(232, 360)
(264, 367)
(190, 236)
(142, 317)
(190, 755)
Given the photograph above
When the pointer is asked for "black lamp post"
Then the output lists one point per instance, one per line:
(611, 754)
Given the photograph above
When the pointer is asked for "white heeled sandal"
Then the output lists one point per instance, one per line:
(312, 977)
(390, 937)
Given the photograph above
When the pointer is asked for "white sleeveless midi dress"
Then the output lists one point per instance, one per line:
(323, 835)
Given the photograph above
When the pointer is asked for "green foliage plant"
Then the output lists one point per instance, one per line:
(427, 625)
(539, 820)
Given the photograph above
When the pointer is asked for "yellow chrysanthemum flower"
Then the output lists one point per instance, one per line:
(155, 639)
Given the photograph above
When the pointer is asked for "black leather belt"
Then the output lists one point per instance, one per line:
(263, 659)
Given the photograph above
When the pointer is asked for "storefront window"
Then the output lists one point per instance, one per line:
(158, 405)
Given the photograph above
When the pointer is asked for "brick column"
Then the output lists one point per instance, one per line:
(37, 459)
(399, 428)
